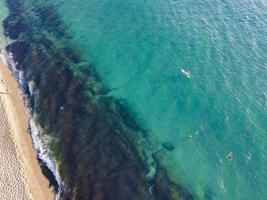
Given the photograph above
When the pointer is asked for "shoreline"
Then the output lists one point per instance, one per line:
(31, 179)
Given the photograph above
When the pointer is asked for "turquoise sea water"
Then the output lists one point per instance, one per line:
(138, 48)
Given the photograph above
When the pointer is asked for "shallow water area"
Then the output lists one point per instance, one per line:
(3, 15)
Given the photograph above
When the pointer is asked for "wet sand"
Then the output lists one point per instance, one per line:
(20, 175)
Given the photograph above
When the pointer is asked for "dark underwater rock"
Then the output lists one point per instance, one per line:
(49, 175)
(18, 50)
(167, 146)
(14, 29)
(15, 6)
(164, 188)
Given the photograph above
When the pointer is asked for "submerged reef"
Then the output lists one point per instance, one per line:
(92, 133)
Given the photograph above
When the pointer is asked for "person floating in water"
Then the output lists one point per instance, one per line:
(230, 156)
(187, 74)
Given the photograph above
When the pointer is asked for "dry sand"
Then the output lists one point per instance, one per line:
(20, 175)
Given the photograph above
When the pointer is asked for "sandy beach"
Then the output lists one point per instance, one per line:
(20, 175)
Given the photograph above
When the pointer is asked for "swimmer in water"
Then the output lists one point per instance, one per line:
(230, 156)
(186, 73)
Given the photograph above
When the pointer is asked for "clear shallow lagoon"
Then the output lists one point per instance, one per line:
(138, 48)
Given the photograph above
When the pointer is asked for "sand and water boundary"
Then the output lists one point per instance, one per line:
(20, 174)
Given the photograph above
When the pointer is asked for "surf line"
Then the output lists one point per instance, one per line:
(45, 156)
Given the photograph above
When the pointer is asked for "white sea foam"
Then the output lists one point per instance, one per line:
(39, 142)
(32, 88)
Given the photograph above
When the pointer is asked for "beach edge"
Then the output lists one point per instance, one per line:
(38, 185)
